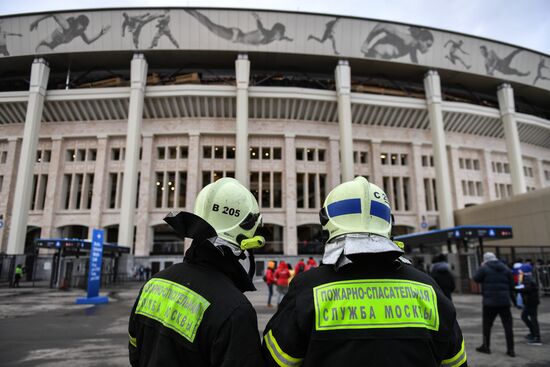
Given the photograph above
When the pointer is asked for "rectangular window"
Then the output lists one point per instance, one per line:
(38, 156)
(476, 164)
(89, 187)
(70, 155)
(464, 188)
(80, 155)
(499, 167)
(218, 152)
(230, 174)
(394, 161)
(137, 189)
(363, 157)
(34, 191)
(404, 159)
(431, 161)
(113, 184)
(254, 153)
(468, 162)
(266, 153)
(67, 181)
(396, 196)
(493, 166)
(161, 152)
(3, 157)
(461, 163)
(479, 188)
(266, 190)
(92, 155)
(384, 158)
(311, 190)
(310, 154)
(406, 193)
(509, 190)
(217, 175)
(115, 154)
(230, 153)
(159, 184)
(255, 184)
(321, 153)
(172, 152)
(471, 188)
(424, 161)
(322, 188)
(171, 187)
(506, 168)
(1, 183)
(206, 178)
(299, 154)
(182, 188)
(355, 156)
(79, 180)
(434, 194)
(277, 153)
(300, 190)
(42, 188)
(497, 191)
(207, 152)
(184, 152)
(277, 190)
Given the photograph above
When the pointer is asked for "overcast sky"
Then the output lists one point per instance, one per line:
(524, 23)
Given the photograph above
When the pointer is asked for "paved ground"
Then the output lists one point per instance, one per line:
(41, 327)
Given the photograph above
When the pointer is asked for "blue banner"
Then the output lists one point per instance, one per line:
(96, 257)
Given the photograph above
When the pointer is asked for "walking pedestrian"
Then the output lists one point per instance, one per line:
(530, 291)
(269, 279)
(497, 290)
(282, 275)
(18, 275)
(441, 272)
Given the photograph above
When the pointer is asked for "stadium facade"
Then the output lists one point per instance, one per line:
(112, 118)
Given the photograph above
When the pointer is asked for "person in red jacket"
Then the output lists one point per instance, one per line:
(269, 279)
(300, 267)
(311, 263)
(282, 274)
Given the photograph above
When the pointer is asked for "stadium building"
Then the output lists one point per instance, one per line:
(112, 118)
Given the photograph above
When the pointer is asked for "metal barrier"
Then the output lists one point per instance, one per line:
(542, 277)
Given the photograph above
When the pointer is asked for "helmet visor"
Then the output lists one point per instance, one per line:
(249, 221)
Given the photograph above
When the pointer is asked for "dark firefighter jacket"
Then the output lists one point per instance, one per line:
(195, 314)
(364, 314)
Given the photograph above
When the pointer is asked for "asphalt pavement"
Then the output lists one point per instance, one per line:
(43, 327)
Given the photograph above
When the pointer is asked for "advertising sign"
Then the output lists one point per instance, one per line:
(94, 273)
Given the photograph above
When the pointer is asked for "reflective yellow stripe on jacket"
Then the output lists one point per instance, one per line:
(282, 359)
(133, 341)
(457, 360)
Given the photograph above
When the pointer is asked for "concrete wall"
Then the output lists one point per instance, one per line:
(528, 214)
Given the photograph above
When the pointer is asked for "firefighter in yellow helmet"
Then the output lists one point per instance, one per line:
(194, 313)
(364, 306)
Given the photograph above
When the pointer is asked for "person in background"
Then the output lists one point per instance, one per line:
(497, 290)
(527, 267)
(311, 263)
(300, 267)
(530, 291)
(517, 273)
(269, 279)
(441, 272)
(18, 275)
(282, 275)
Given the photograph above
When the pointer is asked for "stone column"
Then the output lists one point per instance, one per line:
(242, 73)
(432, 87)
(541, 180)
(23, 188)
(334, 168)
(143, 231)
(488, 175)
(6, 196)
(55, 177)
(417, 192)
(376, 175)
(507, 108)
(193, 174)
(290, 235)
(100, 174)
(133, 140)
(458, 196)
(342, 75)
